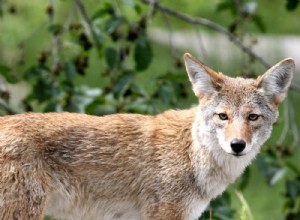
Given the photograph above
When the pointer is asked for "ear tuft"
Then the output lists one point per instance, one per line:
(205, 81)
(276, 81)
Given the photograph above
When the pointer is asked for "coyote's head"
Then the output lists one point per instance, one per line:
(236, 113)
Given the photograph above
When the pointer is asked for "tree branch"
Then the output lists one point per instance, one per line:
(88, 22)
(205, 22)
(55, 39)
(210, 24)
(295, 129)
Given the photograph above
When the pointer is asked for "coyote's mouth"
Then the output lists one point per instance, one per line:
(237, 154)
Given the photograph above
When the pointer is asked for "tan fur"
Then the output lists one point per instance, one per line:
(129, 166)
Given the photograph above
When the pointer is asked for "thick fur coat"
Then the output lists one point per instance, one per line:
(130, 166)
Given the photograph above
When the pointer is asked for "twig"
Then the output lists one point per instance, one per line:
(69, 19)
(87, 22)
(212, 25)
(200, 40)
(55, 38)
(245, 205)
(170, 35)
(286, 124)
(216, 27)
(151, 10)
(84, 14)
(294, 125)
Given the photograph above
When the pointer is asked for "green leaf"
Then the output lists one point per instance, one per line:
(269, 168)
(53, 106)
(292, 189)
(107, 9)
(138, 106)
(70, 70)
(165, 94)
(111, 57)
(221, 208)
(138, 9)
(90, 109)
(123, 83)
(114, 23)
(55, 29)
(80, 98)
(47, 217)
(102, 105)
(293, 167)
(259, 23)
(278, 175)
(98, 38)
(36, 72)
(142, 53)
(292, 4)
(5, 71)
(137, 90)
(245, 179)
(105, 110)
(44, 90)
(227, 5)
(224, 5)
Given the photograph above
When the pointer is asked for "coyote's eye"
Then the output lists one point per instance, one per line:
(223, 116)
(253, 117)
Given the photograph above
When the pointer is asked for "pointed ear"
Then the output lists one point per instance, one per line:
(205, 81)
(276, 81)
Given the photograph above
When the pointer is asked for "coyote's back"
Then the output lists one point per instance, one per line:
(87, 167)
(131, 166)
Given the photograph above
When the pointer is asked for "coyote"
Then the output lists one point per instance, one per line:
(130, 166)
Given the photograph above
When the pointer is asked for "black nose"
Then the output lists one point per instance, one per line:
(237, 145)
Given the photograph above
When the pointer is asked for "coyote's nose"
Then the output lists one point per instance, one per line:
(237, 145)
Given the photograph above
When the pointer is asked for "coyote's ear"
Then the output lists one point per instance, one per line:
(205, 81)
(276, 81)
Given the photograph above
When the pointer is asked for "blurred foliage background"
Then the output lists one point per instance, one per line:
(110, 56)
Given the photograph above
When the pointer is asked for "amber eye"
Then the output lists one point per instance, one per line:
(223, 116)
(253, 117)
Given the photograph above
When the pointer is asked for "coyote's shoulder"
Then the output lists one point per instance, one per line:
(132, 166)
